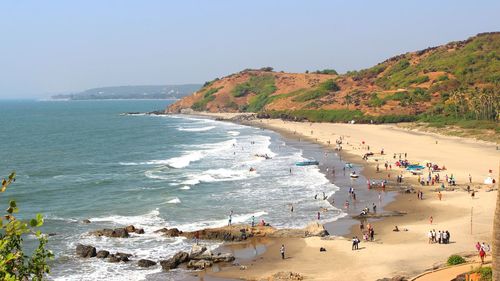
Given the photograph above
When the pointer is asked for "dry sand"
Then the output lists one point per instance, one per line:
(392, 253)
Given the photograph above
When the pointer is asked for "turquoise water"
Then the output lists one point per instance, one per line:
(80, 160)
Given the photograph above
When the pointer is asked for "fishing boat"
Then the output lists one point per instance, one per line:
(348, 165)
(307, 163)
(354, 175)
(414, 167)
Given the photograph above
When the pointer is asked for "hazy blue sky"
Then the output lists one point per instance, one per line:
(58, 46)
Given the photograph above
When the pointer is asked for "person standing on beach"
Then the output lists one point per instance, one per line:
(319, 214)
(282, 251)
(470, 178)
(431, 219)
(253, 221)
(440, 195)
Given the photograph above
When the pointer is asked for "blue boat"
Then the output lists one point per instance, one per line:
(414, 167)
(307, 163)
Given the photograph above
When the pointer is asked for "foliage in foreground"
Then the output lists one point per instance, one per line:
(15, 264)
(455, 259)
(485, 272)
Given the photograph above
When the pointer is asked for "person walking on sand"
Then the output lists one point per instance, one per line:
(482, 255)
(319, 214)
(282, 251)
(431, 219)
(429, 235)
(440, 195)
(470, 178)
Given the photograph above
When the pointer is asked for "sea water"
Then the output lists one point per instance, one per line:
(79, 160)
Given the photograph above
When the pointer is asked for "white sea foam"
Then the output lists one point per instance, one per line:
(174, 201)
(233, 133)
(219, 175)
(148, 220)
(202, 129)
(185, 187)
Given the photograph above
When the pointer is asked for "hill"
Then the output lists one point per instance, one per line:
(459, 80)
(133, 92)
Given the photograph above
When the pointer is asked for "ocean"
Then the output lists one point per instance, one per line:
(79, 160)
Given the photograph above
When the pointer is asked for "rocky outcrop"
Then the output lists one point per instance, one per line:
(145, 263)
(196, 250)
(215, 258)
(315, 229)
(85, 251)
(122, 232)
(86, 221)
(395, 278)
(175, 261)
(114, 233)
(169, 232)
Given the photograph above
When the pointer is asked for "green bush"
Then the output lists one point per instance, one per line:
(263, 84)
(455, 259)
(375, 101)
(419, 80)
(321, 90)
(326, 71)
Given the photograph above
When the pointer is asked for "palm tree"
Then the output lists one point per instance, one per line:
(495, 267)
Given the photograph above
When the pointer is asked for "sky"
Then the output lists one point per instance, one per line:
(49, 47)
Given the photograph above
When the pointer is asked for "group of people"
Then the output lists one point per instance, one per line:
(440, 237)
(369, 234)
(482, 249)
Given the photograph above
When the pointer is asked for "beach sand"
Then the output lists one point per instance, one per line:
(392, 253)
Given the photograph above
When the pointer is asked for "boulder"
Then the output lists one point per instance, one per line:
(118, 257)
(227, 257)
(113, 258)
(130, 228)
(85, 251)
(285, 276)
(174, 261)
(86, 221)
(199, 264)
(139, 230)
(145, 263)
(102, 254)
(115, 233)
(315, 229)
(197, 250)
(172, 232)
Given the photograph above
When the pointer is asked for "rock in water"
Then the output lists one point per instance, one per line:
(86, 221)
(139, 230)
(145, 263)
(115, 233)
(199, 264)
(130, 228)
(172, 232)
(102, 254)
(174, 261)
(85, 251)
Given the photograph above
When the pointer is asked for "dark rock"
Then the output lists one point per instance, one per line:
(130, 228)
(52, 234)
(199, 264)
(113, 258)
(145, 263)
(215, 258)
(102, 254)
(85, 221)
(172, 232)
(395, 278)
(174, 261)
(115, 233)
(85, 251)
(139, 230)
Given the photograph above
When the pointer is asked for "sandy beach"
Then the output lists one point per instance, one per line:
(406, 252)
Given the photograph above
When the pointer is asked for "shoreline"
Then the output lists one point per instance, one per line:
(416, 217)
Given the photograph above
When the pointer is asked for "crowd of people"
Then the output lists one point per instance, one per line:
(440, 237)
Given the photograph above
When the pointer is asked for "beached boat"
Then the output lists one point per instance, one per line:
(348, 165)
(307, 163)
(354, 175)
(414, 168)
